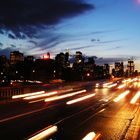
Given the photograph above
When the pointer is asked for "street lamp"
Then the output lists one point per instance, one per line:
(54, 72)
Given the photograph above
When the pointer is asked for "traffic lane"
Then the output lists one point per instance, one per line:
(112, 122)
(22, 106)
(104, 93)
(34, 122)
(17, 108)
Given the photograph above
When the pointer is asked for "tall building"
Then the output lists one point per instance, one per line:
(79, 57)
(67, 63)
(119, 69)
(130, 66)
(106, 69)
(4, 64)
(15, 57)
(60, 59)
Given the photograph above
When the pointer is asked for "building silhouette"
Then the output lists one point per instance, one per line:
(130, 67)
(118, 71)
(16, 57)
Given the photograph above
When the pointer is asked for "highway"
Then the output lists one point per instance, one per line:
(105, 110)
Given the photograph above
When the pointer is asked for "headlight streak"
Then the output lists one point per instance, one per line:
(121, 86)
(27, 94)
(113, 85)
(64, 96)
(42, 95)
(44, 134)
(35, 101)
(135, 98)
(106, 84)
(121, 96)
(89, 136)
(61, 91)
(80, 99)
(92, 136)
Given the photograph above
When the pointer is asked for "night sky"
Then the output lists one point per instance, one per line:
(102, 28)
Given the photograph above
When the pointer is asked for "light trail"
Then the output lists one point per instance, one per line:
(121, 86)
(92, 136)
(106, 84)
(127, 80)
(27, 94)
(80, 99)
(61, 91)
(89, 136)
(138, 84)
(135, 98)
(45, 133)
(121, 96)
(113, 85)
(64, 96)
(42, 95)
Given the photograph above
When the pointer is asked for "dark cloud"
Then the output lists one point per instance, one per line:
(11, 36)
(13, 46)
(27, 16)
(33, 42)
(1, 32)
(112, 41)
(1, 45)
(51, 40)
(83, 47)
(102, 61)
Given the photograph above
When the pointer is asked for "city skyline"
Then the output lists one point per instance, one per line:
(102, 28)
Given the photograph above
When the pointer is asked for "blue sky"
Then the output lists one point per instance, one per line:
(110, 30)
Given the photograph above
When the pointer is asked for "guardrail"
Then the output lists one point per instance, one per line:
(8, 92)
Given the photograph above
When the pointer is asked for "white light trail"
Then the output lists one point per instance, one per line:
(80, 99)
(113, 85)
(64, 96)
(121, 96)
(121, 86)
(44, 134)
(42, 95)
(135, 98)
(89, 136)
(106, 84)
(27, 94)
